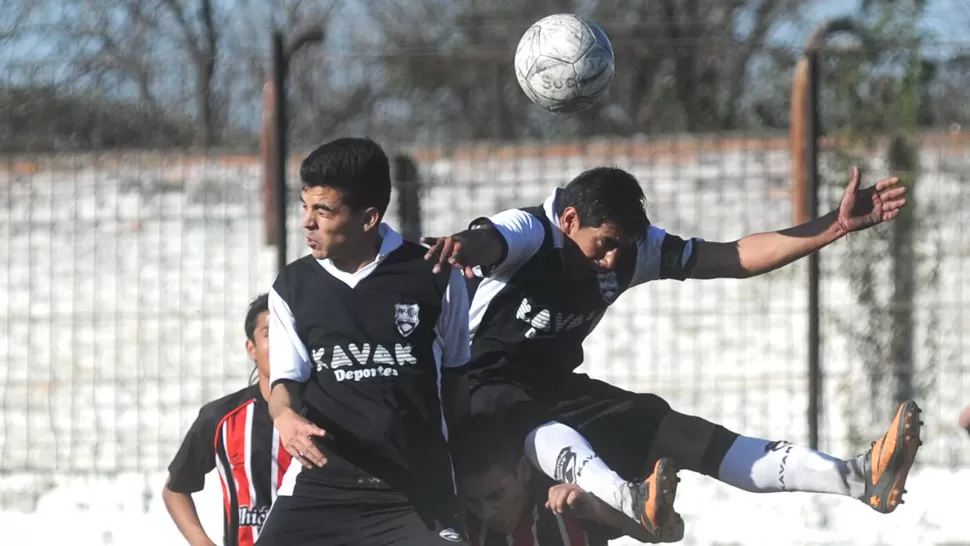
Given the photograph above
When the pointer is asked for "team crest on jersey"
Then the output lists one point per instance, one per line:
(406, 318)
(609, 286)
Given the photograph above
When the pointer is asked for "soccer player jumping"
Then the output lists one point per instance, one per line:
(547, 275)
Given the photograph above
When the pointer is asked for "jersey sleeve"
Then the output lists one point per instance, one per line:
(288, 358)
(453, 323)
(196, 456)
(661, 255)
(522, 236)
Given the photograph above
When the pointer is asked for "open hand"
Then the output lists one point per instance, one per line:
(296, 434)
(447, 250)
(862, 209)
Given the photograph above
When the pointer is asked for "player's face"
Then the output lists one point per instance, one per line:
(499, 497)
(591, 248)
(258, 348)
(331, 227)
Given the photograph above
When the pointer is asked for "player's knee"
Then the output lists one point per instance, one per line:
(692, 442)
(717, 447)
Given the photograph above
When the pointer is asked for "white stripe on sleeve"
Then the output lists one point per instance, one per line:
(288, 357)
(453, 323)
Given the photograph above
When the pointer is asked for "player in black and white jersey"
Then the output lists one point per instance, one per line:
(550, 272)
(364, 336)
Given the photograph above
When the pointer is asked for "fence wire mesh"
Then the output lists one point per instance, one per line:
(129, 255)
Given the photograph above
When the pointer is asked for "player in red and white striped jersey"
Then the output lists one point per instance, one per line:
(235, 436)
(511, 505)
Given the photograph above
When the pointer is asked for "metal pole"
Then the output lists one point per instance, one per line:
(279, 82)
(812, 197)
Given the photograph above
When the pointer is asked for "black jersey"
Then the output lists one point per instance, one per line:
(369, 348)
(531, 313)
(234, 435)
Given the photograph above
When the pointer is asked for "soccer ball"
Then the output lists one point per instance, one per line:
(564, 63)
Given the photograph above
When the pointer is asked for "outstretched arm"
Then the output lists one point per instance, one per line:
(763, 252)
(479, 246)
(496, 245)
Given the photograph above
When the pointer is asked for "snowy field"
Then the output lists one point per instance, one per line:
(125, 282)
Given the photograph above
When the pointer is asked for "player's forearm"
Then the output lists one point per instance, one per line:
(285, 396)
(764, 252)
(481, 246)
(182, 509)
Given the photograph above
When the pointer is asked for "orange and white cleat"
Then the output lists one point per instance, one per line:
(654, 503)
(889, 460)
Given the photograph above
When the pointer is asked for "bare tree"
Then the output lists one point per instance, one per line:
(331, 87)
(682, 64)
(14, 14)
(142, 46)
(200, 38)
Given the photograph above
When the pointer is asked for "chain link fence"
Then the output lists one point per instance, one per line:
(128, 257)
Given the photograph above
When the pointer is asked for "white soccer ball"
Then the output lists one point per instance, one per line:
(564, 63)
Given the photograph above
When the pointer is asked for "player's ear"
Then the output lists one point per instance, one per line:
(370, 218)
(569, 221)
(251, 349)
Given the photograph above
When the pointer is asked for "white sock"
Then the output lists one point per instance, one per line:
(761, 466)
(565, 455)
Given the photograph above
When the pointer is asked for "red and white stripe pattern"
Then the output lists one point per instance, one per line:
(251, 463)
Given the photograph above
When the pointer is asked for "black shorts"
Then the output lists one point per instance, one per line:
(344, 517)
(620, 425)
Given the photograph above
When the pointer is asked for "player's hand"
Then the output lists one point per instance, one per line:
(569, 498)
(447, 250)
(862, 209)
(296, 434)
(575, 502)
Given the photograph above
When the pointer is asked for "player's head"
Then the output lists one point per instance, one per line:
(600, 211)
(493, 472)
(257, 333)
(346, 189)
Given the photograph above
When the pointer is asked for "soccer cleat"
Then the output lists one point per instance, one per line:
(890, 458)
(653, 501)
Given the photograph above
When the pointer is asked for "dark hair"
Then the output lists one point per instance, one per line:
(356, 167)
(483, 442)
(257, 307)
(606, 194)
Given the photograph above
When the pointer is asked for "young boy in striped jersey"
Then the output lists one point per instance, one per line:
(234, 435)
(511, 505)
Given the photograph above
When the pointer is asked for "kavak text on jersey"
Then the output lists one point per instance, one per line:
(531, 313)
(375, 365)
(542, 314)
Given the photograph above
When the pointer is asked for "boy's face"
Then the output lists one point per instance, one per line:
(498, 498)
(594, 248)
(258, 349)
(331, 227)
